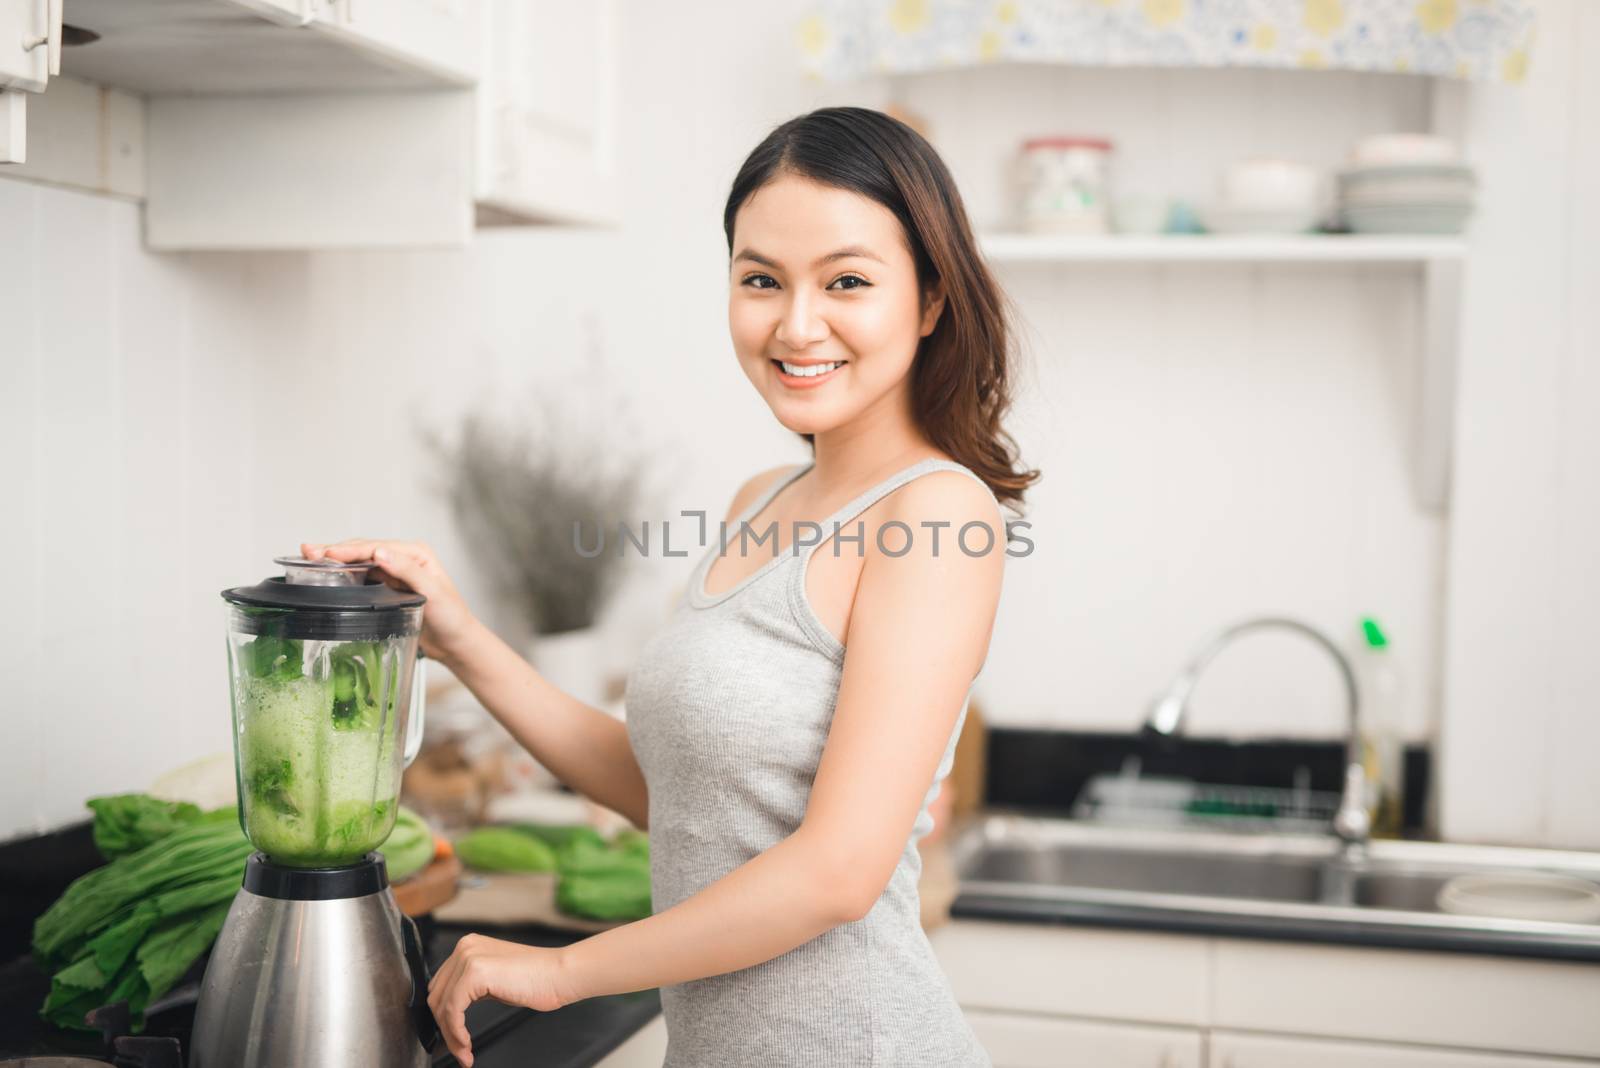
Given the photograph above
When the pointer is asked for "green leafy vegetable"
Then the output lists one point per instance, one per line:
(131, 929)
(610, 883)
(561, 838)
(128, 822)
(360, 696)
(599, 880)
(273, 657)
(504, 849)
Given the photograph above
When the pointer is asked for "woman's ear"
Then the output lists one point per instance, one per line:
(932, 306)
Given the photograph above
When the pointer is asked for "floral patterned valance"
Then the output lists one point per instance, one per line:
(1486, 40)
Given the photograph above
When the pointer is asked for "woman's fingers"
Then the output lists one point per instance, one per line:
(445, 998)
(403, 556)
(399, 563)
(452, 1020)
(349, 551)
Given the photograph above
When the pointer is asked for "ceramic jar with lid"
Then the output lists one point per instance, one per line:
(1064, 185)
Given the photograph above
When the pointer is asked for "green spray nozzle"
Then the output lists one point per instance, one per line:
(1376, 639)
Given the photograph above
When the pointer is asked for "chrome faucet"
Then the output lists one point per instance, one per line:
(1353, 821)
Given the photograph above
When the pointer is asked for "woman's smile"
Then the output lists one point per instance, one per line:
(808, 375)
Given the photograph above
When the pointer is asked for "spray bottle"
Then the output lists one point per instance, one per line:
(1382, 729)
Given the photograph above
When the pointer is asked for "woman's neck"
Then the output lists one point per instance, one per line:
(880, 441)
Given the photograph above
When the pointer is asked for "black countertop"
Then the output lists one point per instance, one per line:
(1275, 928)
(576, 1036)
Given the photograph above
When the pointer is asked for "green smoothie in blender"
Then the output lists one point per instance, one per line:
(317, 726)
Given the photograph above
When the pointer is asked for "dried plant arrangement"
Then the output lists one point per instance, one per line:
(518, 493)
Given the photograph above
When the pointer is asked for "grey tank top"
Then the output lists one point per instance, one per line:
(728, 708)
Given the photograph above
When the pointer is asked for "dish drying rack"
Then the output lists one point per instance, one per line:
(1130, 799)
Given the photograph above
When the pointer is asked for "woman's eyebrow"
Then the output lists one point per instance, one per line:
(849, 252)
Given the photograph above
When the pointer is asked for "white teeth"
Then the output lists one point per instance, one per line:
(807, 372)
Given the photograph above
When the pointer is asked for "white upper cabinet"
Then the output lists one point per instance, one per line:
(546, 113)
(30, 52)
(275, 46)
(30, 35)
(357, 124)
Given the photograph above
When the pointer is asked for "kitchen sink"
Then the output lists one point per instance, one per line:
(1405, 890)
(1252, 884)
(1172, 871)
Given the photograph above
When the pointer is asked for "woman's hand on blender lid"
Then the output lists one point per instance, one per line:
(413, 566)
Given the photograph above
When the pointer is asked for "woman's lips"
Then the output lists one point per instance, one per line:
(806, 381)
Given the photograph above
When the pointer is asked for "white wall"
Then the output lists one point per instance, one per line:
(1216, 442)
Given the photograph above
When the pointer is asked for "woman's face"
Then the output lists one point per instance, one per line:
(823, 303)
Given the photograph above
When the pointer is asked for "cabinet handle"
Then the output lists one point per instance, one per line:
(51, 39)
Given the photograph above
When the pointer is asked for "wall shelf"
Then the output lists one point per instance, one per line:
(1441, 259)
(1006, 248)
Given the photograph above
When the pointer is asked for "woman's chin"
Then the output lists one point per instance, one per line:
(803, 422)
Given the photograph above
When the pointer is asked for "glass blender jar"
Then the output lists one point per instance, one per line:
(327, 694)
(327, 711)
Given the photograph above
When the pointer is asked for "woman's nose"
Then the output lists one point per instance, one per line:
(800, 324)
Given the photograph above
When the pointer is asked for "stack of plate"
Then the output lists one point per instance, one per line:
(1406, 187)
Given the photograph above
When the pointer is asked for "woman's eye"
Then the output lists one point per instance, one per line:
(758, 281)
(857, 279)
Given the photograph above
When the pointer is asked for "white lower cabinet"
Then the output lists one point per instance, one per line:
(1270, 1051)
(1076, 972)
(1060, 995)
(1018, 1041)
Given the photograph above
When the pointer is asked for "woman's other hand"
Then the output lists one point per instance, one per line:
(481, 967)
(447, 623)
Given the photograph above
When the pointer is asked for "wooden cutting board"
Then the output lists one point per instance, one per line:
(511, 899)
(429, 888)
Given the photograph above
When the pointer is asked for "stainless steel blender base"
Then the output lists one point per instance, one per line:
(309, 984)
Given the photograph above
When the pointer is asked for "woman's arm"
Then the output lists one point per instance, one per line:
(581, 745)
(919, 631)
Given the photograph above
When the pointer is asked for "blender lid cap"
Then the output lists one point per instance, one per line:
(322, 584)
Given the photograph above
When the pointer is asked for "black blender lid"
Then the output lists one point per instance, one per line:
(322, 584)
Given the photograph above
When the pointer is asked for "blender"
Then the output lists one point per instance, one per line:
(315, 966)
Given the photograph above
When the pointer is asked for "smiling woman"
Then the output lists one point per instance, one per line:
(897, 248)
(788, 728)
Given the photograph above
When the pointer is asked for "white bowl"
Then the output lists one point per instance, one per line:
(1270, 185)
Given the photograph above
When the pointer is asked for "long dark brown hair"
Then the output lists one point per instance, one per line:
(960, 379)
